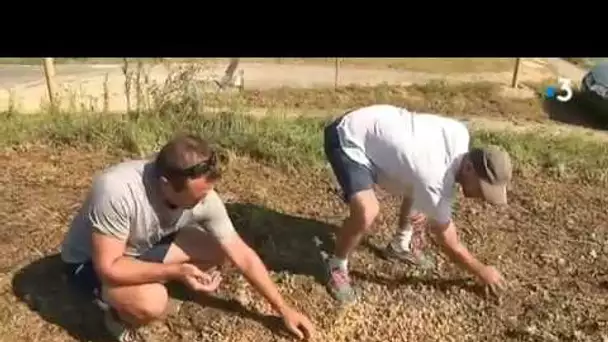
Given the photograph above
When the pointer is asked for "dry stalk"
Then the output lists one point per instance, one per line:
(12, 102)
(128, 73)
(106, 94)
(138, 85)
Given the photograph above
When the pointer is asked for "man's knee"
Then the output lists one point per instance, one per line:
(198, 247)
(214, 260)
(364, 209)
(138, 304)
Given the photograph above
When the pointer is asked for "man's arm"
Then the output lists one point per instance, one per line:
(109, 216)
(448, 239)
(214, 218)
(116, 269)
(254, 270)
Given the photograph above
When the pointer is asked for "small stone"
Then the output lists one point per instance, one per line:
(593, 254)
(561, 261)
(531, 329)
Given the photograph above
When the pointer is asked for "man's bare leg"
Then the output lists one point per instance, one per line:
(405, 244)
(364, 208)
(404, 230)
(400, 246)
(139, 305)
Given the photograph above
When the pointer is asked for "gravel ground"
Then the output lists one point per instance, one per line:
(555, 258)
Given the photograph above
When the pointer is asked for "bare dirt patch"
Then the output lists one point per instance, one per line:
(556, 259)
(430, 65)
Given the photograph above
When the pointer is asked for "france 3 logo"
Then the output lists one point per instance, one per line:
(562, 91)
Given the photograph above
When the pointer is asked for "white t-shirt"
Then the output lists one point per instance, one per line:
(412, 154)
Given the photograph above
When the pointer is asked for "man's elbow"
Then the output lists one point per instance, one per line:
(108, 273)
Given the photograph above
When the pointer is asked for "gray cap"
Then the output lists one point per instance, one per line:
(493, 166)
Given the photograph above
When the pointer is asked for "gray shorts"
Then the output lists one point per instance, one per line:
(352, 176)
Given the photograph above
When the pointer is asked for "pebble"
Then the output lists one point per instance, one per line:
(531, 329)
(593, 254)
(561, 261)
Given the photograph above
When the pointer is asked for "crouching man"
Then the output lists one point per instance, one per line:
(147, 222)
(422, 157)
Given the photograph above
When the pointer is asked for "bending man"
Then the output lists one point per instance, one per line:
(420, 157)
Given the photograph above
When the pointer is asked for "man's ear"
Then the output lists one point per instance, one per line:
(468, 166)
(164, 181)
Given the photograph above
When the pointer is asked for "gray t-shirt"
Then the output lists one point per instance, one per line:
(125, 203)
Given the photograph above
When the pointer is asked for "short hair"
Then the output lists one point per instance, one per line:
(184, 157)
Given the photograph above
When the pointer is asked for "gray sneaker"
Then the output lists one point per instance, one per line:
(339, 285)
(416, 258)
(415, 255)
(118, 329)
(394, 251)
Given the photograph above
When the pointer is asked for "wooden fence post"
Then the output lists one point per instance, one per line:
(516, 73)
(49, 75)
(337, 72)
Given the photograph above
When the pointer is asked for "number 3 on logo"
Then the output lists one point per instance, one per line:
(565, 85)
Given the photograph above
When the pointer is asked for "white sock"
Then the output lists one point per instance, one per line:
(335, 262)
(403, 238)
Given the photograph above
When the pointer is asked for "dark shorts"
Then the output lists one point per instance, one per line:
(84, 278)
(352, 176)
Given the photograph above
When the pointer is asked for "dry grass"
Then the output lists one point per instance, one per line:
(471, 99)
(430, 65)
(282, 197)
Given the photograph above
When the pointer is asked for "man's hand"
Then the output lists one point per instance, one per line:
(198, 280)
(490, 276)
(298, 324)
(250, 264)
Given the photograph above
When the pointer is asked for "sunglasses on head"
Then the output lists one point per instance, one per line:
(197, 170)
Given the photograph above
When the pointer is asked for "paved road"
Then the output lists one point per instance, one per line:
(567, 69)
(13, 75)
